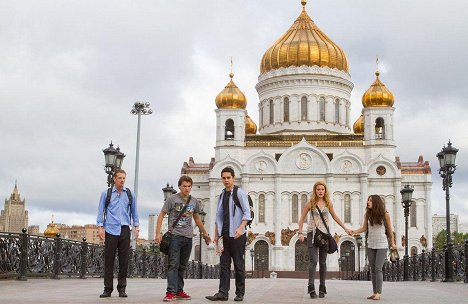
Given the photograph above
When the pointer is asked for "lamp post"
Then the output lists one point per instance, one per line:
(263, 266)
(447, 167)
(258, 266)
(139, 108)
(359, 244)
(202, 215)
(406, 194)
(168, 191)
(114, 159)
(252, 252)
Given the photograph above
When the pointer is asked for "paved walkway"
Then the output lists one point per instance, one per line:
(258, 291)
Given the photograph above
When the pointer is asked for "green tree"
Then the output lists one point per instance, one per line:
(440, 240)
(458, 238)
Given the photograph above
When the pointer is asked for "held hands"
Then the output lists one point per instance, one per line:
(349, 231)
(393, 246)
(301, 237)
(207, 238)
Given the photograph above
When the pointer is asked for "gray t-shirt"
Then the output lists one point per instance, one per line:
(172, 206)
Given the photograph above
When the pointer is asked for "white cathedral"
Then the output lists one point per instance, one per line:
(304, 136)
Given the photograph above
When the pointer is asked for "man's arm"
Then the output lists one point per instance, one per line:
(100, 216)
(136, 220)
(198, 221)
(158, 236)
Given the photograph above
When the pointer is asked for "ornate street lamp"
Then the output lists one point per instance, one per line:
(139, 108)
(447, 167)
(168, 191)
(359, 244)
(202, 215)
(252, 253)
(114, 159)
(406, 194)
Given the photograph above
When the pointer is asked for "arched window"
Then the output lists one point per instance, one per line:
(379, 128)
(304, 108)
(347, 208)
(286, 109)
(303, 202)
(294, 209)
(322, 109)
(261, 208)
(413, 215)
(337, 111)
(272, 112)
(229, 130)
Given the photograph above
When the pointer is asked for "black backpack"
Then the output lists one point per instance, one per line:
(108, 198)
(237, 203)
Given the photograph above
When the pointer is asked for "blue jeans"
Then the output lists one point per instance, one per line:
(179, 254)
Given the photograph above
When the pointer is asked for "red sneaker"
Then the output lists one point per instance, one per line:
(181, 295)
(169, 297)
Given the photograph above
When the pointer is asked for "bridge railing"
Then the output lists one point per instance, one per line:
(25, 256)
(423, 267)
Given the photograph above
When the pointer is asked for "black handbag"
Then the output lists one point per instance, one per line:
(167, 237)
(325, 239)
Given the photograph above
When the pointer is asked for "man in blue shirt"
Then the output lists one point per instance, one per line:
(114, 228)
(230, 225)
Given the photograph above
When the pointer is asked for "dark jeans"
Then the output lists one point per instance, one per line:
(179, 254)
(322, 259)
(116, 244)
(233, 249)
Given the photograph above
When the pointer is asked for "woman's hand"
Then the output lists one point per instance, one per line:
(301, 237)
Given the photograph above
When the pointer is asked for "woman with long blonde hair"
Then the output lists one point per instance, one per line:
(320, 200)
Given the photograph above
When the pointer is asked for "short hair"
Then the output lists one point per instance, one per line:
(119, 171)
(228, 169)
(185, 178)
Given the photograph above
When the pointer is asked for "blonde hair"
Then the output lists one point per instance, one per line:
(314, 198)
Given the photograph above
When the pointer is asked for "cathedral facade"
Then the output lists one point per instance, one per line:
(305, 135)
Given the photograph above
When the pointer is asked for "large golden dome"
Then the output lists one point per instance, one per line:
(231, 97)
(358, 126)
(378, 95)
(304, 44)
(250, 126)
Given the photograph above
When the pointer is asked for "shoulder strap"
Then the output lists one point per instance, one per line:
(323, 220)
(130, 201)
(182, 212)
(236, 200)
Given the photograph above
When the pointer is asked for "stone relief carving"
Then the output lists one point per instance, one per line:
(346, 166)
(261, 166)
(304, 161)
(250, 237)
(270, 236)
(423, 241)
(286, 235)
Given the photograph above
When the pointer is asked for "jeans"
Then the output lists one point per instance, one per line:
(233, 249)
(376, 260)
(116, 244)
(322, 259)
(179, 254)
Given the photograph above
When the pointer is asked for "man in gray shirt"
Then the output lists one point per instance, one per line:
(181, 242)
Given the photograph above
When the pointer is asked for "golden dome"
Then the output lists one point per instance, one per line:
(231, 97)
(358, 126)
(51, 230)
(250, 126)
(304, 44)
(378, 95)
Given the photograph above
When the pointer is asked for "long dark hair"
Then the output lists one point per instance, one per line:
(376, 214)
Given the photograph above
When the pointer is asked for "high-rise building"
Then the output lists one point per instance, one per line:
(439, 223)
(33, 229)
(77, 233)
(14, 217)
(151, 226)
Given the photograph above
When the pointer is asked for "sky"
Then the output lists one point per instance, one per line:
(70, 72)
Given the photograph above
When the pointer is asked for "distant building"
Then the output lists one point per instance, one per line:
(14, 217)
(151, 226)
(439, 223)
(77, 233)
(463, 228)
(34, 230)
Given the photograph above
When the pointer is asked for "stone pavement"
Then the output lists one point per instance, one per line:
(258, 291)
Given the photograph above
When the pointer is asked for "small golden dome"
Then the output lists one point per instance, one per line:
(51, 230)
(250, 126)
(304, 44)
(358, 126)
(231, 97)
(378, 95)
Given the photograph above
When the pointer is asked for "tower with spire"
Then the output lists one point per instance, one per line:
(14, 217)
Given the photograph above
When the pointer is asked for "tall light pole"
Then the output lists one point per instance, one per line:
(447, 167)
(139, 108)
(406, 194)
(202, 215)
(359, 244)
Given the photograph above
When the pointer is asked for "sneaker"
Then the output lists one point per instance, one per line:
(181, 295)
(169, 297)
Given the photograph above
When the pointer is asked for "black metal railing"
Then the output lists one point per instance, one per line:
(423, 267)
(25, 256)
